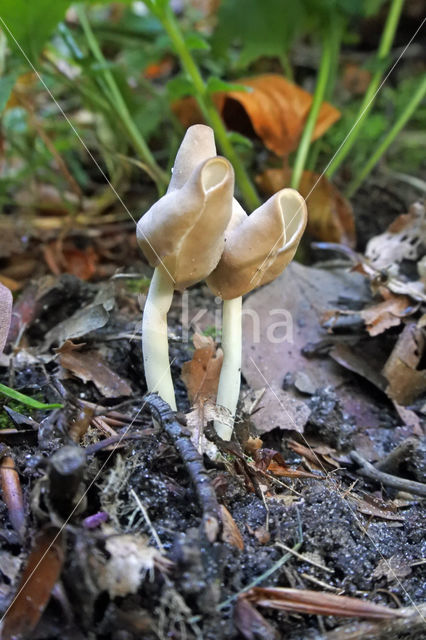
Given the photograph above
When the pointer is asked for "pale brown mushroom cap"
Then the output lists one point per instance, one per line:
(260, 246)
(184, 231)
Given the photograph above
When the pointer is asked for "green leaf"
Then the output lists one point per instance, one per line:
(214, 85)
(29, 23)
(260, 28)
(30, 402)
(180, 87)
(196, 41)
(6, 85)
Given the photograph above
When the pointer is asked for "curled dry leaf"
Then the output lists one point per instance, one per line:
(12, 494)
(315, 602)
(250, 623)
(386, 314)
(330, 215)
(275, 110)
(41, 572)
(406, 381)
(230, 532)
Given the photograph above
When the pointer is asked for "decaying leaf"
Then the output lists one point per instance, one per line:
(318, 457)
(250, 623)
(41, 572)
(12, 494)
(90, 366)
(403, 240)
(386, 314)
(129, 559)
(316, 602)
(330, 215)
(275, 110)
(406, 381)
(272, 461)
(5, 314)
(392, 568)
(201, 374)
(230, 532)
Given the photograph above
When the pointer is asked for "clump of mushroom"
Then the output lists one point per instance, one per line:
(182, 236)
(258, 248)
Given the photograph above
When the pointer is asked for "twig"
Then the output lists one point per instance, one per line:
(147, 520)
(391, 462)
(369, 471)
(302, 557)
(412, 620)
(193, 462)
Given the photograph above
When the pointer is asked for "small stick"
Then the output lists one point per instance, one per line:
(302, 557)
(147, 520)
(391, 462)
(193, 462)
(403, 484)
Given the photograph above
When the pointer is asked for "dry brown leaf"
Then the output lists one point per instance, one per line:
(369, 508)
(41, 572)
(406, 382)
(356, 79)
(89, 365)
(315, 602)
(388, 313)
(330, 215)
(275, 110)
(272, 461)
(230, 532)
(250, 623)
(201, 374)
(12, 494)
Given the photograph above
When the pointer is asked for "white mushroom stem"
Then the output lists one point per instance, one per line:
(155, 344)
(230, 376)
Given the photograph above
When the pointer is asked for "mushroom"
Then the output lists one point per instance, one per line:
(5, 314)
(182, 236)
(257, 249)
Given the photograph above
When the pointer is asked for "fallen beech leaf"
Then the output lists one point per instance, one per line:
(41, 572)
(230, 533)
(275, 110)
(406, 382)
(89, 365)
(330, 215)
(5, 314)
(201, 374)
(388, 313)
(316, 602)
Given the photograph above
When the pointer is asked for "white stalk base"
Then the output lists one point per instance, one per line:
(155, 344)
(230, 376)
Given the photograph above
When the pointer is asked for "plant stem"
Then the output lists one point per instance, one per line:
(121, 108)
(321, 86)
(388, 139)
(230, 376)
(208, 108)
(370, 95)
(155, 344)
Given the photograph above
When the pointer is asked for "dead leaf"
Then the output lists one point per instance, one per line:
(406, 382)
(129, 559)
(316, 602)
(250, 623)
(69, 259)
(272, 461)
(402, 240)
(201, 374)
(330, 215)
(392, 568)
(230, 532)
(275, 111)
(371, 508)
(6, 302)
(12, 494)
(389, 313)
(319, 457)
(280, 321)
(356, 79)
(90, 366)
(40, 575)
